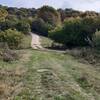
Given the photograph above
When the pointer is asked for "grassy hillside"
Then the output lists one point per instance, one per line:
(39, 75)
(51, 72)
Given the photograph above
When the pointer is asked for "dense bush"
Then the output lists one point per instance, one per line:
(9, 55)
(49, 15)
(39, 26)
(24, 27)
(10, 22)
(7, 24)
(47, 19)
(11, 37)
(14, 23)
(75, 32)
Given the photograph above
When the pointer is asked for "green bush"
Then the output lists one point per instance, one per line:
(75, 32)
(40, 27)
(11, 37)
(8, 24)
(23, 27)
(69, 34)
(49, 15)
(9, 55)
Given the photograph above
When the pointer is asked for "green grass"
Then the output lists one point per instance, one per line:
(26, 42)
(45, 75)
(50, 75)
(46, 42)
(97, 39)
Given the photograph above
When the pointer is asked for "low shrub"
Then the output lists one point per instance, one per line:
(39, 26)
(9, 55)
(23, 27)
(12, 37)
(9, 23)
(75, 32)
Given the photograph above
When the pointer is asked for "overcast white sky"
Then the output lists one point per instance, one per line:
(75, 4)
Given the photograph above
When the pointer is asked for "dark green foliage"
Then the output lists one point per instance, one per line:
(69, 34)
(24, 27)
(75, 32)
(14, 23)
(47, 19)
(11, 37)
(40, 27)
(10, 22)
(21, 12)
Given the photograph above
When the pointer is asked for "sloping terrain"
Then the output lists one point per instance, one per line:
(48, 75)
(35, 43)
(40, 75)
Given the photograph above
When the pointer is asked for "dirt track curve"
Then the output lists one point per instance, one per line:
(35, 43)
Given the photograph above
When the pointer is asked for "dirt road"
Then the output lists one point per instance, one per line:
(35, 43)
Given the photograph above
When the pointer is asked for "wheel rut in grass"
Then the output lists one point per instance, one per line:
(50, 83)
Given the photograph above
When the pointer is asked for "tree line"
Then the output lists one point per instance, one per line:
(67, 26)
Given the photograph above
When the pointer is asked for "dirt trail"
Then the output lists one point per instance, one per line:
(35, 43)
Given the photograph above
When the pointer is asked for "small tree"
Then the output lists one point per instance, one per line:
(39, 26)
(24, 27)
(49, 15)
(7, 24)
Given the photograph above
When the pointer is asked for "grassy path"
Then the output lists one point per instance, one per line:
(52, 76)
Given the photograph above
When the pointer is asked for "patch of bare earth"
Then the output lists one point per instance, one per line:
(35, 43)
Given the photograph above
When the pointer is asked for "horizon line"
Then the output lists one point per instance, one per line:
(49, 6)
